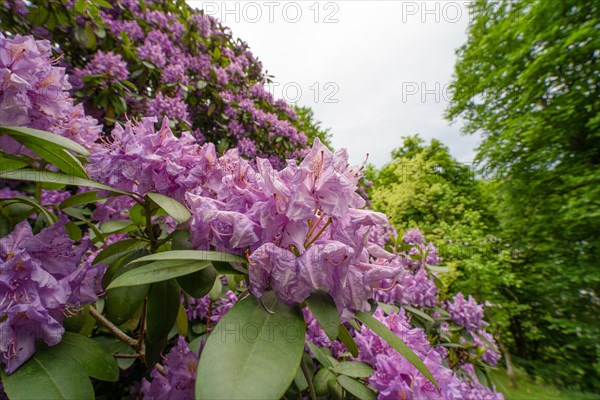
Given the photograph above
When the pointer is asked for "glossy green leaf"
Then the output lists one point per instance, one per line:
(319, 354)
(321, 381)
(161, 311)
(123, 303)
(48, 374)
(42, 138)
(419, 313)
(199, 283)
(9, 162)
(348, 341)
(174, 208)
(354, 369)
(79, 199)
(194, 255)
(51, 218)
(252, 353)
(137, 215)
(61, 158)
(390, 337)
(437, 268)
(94, 359)
(116, 250)
(182, 321)
(356, 388)
(35, 175)
(323, 308)
(114, 346)
(158, 271)
(226, 268)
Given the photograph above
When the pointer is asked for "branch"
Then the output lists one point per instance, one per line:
(306, 373)
(122, 336)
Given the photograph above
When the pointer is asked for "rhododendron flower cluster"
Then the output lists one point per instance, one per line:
(179, 377)
(191, 68)
(303, 226)
(203, 308)
(466, 313)
(143, 160)
(413, 286)
(35, 93)
(394, 377)
(40, 283)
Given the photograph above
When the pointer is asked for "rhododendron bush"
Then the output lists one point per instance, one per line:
(146, 263)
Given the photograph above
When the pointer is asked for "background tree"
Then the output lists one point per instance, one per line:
(424, 186)
(527, 80)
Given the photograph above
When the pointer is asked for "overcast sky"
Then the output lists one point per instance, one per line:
(373, 71)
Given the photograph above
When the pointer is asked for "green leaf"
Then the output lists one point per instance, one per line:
(321, 381)
(51, 218)
(117, 226)
(157, 271)
(42, 138)
(182, 321)
(419, 313)
(354, 369)
(94, 359)
(35, 175)
(226, 268)
(115, 346)
(356, 388)
(116, 250)
(348, 340)
(73, 231)
(199, 283)
(319, 354)
(49, 374)
(9, 162)
(174, 208)
(437, 268)
(103, 3)
(137, 215)
(162, 309)
(194, 255)
(300, 380)
(323, 308)
(64, 160)
(80, 198)
(390, 337)
(252, 353)
(122, 303)
(216, 290)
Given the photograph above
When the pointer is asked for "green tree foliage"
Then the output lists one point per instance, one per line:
(527, 80)
(312, 128)
(424, 186)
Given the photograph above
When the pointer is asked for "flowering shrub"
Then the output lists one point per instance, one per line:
(256, 281)
(186, 65)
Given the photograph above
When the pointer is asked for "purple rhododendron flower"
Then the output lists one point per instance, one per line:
(466, 313)
(396, 378)
(34, 93)
(179, 379)
(40, 282)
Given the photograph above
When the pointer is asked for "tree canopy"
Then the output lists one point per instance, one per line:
(527, 81)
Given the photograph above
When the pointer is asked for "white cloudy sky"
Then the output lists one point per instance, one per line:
(373, 71)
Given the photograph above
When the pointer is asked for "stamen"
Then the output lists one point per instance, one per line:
(394, 284)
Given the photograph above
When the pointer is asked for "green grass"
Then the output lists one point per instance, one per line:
(527, 389)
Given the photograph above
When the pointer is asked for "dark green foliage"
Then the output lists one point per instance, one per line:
(527, 80)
